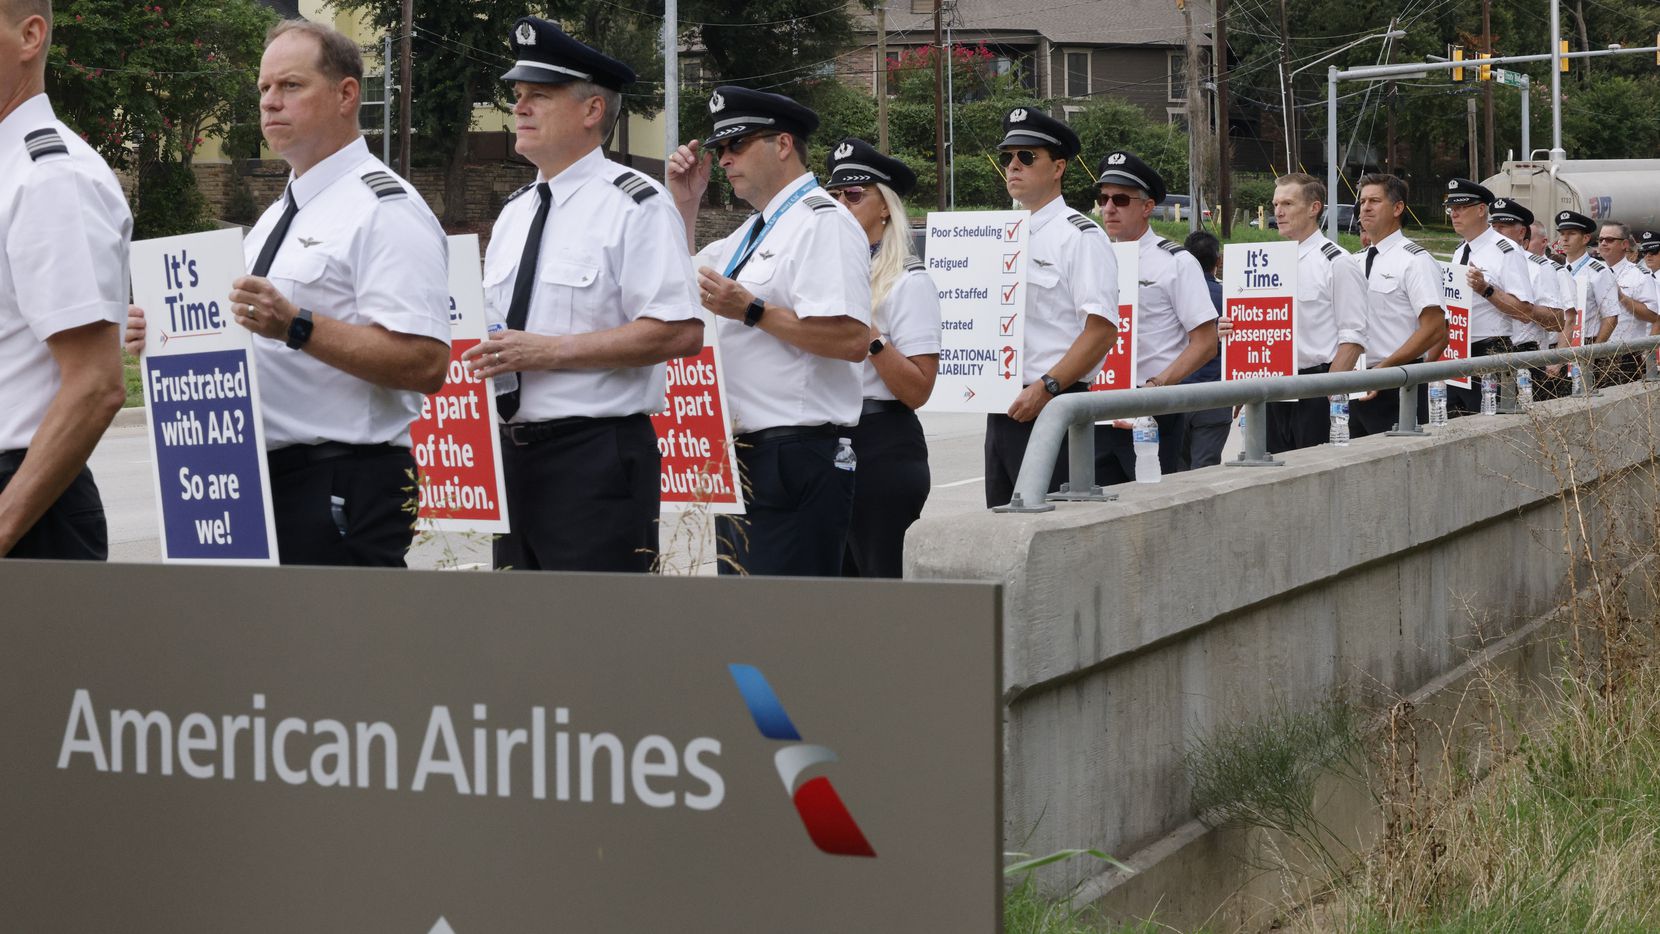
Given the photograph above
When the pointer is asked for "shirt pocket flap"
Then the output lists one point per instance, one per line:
(498, 272)
(1383, 284)
(303, 269)
(576, 273)
(1043, 277)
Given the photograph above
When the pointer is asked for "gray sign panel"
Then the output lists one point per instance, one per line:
(192, 749)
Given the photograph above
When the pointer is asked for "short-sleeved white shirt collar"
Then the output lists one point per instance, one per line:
(327, 172)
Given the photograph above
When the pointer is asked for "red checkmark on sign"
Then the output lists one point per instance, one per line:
(1007, 321)
(1008, 294)
(1010, 231)
(1009, 259)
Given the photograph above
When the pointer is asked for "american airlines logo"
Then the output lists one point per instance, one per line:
(829, 825)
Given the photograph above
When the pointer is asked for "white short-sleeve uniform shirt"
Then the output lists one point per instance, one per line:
(1635, 282)
(365, 249)
(813, 259)
(909, 317)
(613, 251)
(1601, 296)
(1319, 279)
(1504, 264)
(1173, 300)
(65, 231)
(1405, 279)
(1071, 274)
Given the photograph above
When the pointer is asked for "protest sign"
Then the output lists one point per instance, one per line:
(978, 260)
(1259, 288)
(454, 440)
(1119, 370)
(694, 437)
(201, 393)
(1455, 297)
(1576, 334)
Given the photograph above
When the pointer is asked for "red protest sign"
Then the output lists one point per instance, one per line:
(1455, 292)
(455, 448)
(694, 437)
(1259, 285)
(1118, 372)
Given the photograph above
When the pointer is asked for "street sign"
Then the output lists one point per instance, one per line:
(1514, 79)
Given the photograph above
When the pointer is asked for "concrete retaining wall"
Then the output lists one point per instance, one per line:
(1134, 626)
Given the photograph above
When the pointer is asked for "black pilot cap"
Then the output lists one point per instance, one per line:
(543, 54)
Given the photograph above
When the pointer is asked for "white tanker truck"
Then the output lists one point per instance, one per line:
(1624, 190)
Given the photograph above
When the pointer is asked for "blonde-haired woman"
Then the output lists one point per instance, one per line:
(891, 479)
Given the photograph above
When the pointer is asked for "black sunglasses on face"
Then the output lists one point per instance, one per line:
(737, 146)
(853, 194)
(1026, 157)
(1610, 239)
(1118, 199)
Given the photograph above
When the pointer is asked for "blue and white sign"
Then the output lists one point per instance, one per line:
(201, 393)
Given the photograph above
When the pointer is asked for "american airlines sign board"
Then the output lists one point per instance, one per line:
(280, 749)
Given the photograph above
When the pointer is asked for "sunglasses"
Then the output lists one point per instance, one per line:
(737, 146)
(853, 194)
(1610, 239)
(1026, 157)
(1118, 199)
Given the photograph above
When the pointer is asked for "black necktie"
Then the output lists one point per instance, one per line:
(1464, 258)
(1371, 254)
(746, 251)
(279, 233)
(518, 310)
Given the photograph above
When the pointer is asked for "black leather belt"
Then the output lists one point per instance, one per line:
(1075, 387)
(790, 431)
(878, 406)
(524, 433)
(1488, 346)
(295, 456)
(1311, 370)
(1526, 347)
(11, 460)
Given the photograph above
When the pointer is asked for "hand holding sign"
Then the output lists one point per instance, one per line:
(260, 308)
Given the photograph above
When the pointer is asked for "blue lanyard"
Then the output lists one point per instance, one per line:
(748, 249)
(1580, 264)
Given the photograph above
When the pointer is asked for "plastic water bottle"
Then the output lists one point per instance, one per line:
(1339, 419)
(845, 458)
(1489, 394)
(506, 382)
(1146, 437)
(1578, 381)
(1524, 387)
(1437, 404)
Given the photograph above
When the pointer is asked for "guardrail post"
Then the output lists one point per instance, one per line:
(1017, 503)
(1256, 439)
(1651, 373)
(1587, 378)
(1406, 419)
(1080, 459)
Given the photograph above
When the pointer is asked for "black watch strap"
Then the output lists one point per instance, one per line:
(1487, 292)
(299, 330)
(1051, 385)
(876, 346)
(752, 316)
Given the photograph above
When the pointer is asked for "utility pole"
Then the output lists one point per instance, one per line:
(404, 88)
(1224, 157)
(882, 76)
(1389, 100)
(671, 80)
(1288, 96)
(1487, 87)
(939, 101)
(1195, 114)
(1470, 127)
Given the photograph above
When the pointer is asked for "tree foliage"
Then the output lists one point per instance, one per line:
(776, 45)
(147, 84)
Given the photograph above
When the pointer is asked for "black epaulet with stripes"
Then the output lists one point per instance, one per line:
(1172, 247)
(1599, 265)
(384, 185)
(527, 187)
(1536, 258)
(1414, 248)
(915, 264)
(635, 185)
(1505, 246)
(1330, 251)
(819, 203)
(1082, 223)
(44, 142)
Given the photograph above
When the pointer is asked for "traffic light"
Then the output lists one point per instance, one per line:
(1456, 53)
(1486, 69)
(1564, 59)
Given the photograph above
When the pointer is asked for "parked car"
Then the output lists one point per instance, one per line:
(1347, 220)
(1166, 209)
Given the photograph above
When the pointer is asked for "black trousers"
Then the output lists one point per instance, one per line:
(342, 504)
(1115, 450)
(584, 495)
(1006, 441)
(1379, 415)
(1300, 423)
(890, 487)
(1204, 435)
(71, 529)
(798, 505)
(1468, 401)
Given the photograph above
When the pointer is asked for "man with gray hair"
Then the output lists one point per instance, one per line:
(64, 235)
(1638, 296)
(589, 270)
(348, 298)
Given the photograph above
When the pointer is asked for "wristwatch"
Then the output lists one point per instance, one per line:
(1487, 292)
(876, 346)
(299, 330)
(752, 316)
(1051, 385)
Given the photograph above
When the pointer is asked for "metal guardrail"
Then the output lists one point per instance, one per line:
(1073, 415)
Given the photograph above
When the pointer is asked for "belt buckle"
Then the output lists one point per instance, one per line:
(513, 434)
